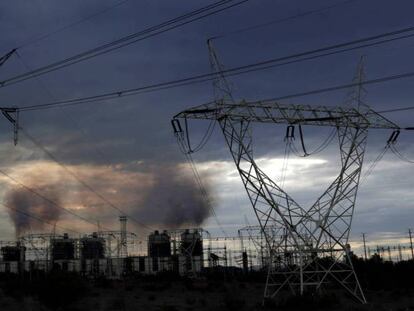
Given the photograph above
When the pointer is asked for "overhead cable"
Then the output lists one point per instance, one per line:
(262, 65)
(128, 40)
(31, 190)
(375, 162)
(30, 215)
(399, 154)
(42, 37)
(281, 20)
(203, 191)
(82, 182)
(98, 151)
(305, 153)
(186, 151)
(6, 56)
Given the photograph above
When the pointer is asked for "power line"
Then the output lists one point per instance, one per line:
(77, 22)
(203, 191)
(396, 109)
(35, 142)
(31, 190)
(317, 150)
(204, 139)
(128, 40)
(400, 155)
(83, 183)
(375, 162)
(266, 64)
(345, 86)
(6, 56)
(186, 151)
(52, 97)
(281, 20)
(289, 96)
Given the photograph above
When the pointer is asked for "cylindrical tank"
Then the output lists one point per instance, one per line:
(159, 244)
(63, 248)
(93, 247)
(13, 253)
(191, 243)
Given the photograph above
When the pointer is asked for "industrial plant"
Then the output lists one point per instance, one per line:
(105, 253)
(275, 207)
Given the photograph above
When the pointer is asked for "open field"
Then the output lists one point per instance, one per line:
(72, 293)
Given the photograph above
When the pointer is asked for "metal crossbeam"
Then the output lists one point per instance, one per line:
(310, 247)
(274, 112)
(307, 247)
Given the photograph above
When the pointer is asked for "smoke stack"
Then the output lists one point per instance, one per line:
(123, 248)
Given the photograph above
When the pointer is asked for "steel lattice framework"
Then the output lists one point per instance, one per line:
(308, 247)
(313, 245)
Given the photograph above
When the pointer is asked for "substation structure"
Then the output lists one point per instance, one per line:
(186, 252)
(108, 253)
(307, 247)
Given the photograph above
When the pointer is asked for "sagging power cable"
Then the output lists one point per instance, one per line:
(149, 32)
(82, 182)
(203, 140)
(305, 153)
(5, 57)
(289, 139)
(42, 37)
(87, 137)
(400, 155)
(271, 63)
(394, 148)
(43, 197)
(281, 20)
(389, 145)
(39, 219)
(187, 151)
(302, 142)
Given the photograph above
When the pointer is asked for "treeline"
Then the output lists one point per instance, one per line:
(377, 274)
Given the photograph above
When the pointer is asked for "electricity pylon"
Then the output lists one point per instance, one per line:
(310, 247)
(12, 115)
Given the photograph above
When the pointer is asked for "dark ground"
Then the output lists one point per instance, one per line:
(177, 295)
(387, 286)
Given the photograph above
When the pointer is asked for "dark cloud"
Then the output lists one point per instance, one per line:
(137, 129)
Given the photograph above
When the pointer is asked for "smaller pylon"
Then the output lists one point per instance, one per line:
(12, 114)
(123, 249)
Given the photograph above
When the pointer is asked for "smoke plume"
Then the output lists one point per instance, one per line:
(167, 196)
(175, 199)
(19, 199)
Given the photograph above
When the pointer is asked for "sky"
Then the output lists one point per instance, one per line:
(125, 150)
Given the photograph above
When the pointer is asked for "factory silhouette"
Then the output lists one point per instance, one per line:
(105, 253)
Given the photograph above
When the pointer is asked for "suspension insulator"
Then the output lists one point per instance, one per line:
(290, 132)
(393, 137)
(176, 126)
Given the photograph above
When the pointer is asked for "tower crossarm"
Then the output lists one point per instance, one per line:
(274, 112)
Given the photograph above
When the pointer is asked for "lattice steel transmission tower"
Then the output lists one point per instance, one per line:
(123, 246)
(310, 246)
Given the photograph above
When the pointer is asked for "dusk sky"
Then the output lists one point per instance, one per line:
(125, 148)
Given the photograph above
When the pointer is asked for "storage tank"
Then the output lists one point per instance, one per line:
(159, 244)
(191, 243)
(63, 248)
(13, 253)
(92, 247)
